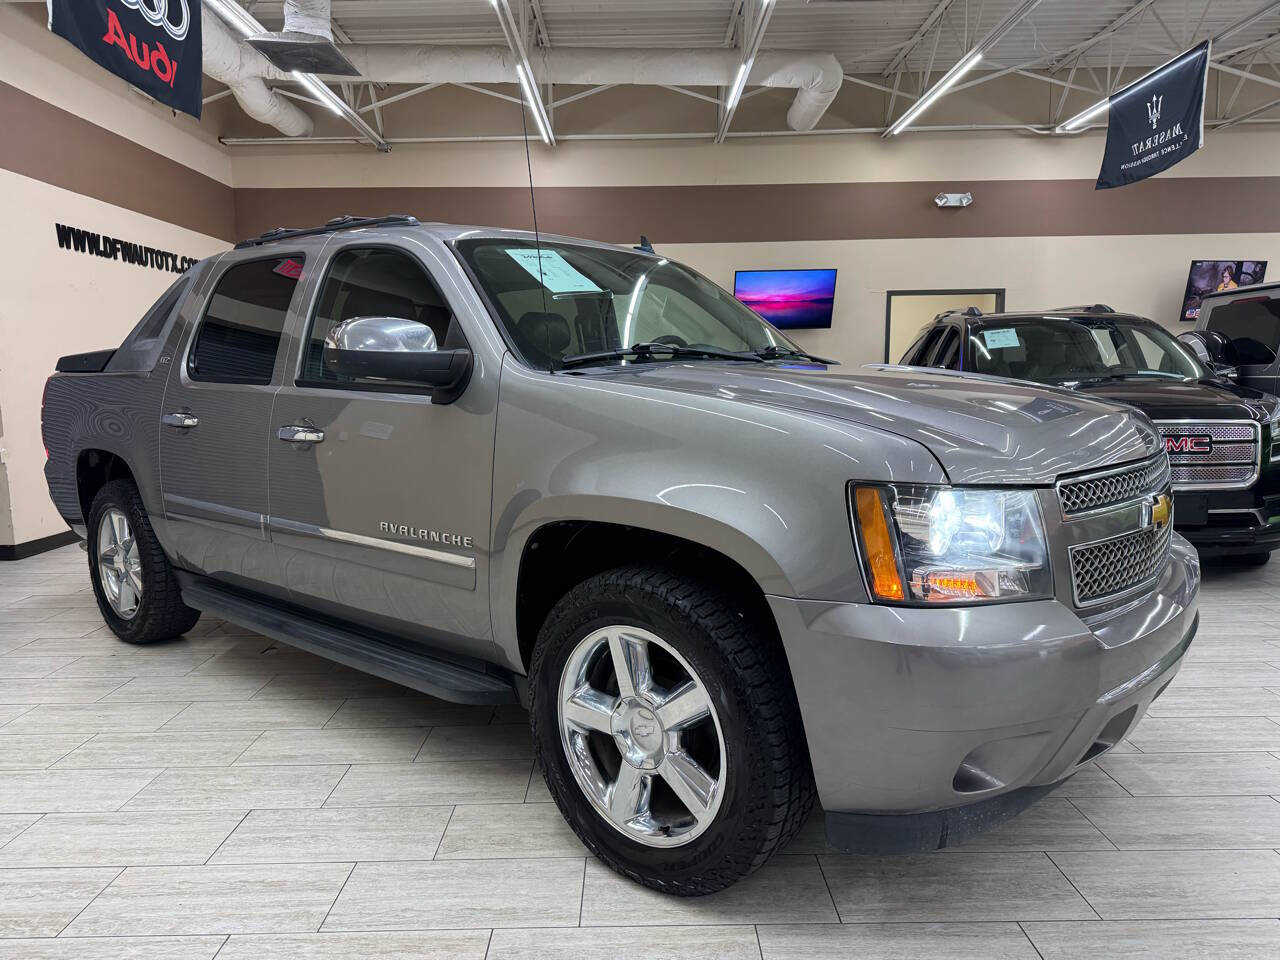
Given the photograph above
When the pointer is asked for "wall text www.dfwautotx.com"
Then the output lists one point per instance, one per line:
(110, 248)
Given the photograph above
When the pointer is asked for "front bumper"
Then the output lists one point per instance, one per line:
(911, 711)
(1217, 541)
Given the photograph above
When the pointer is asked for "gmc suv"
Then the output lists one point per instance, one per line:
(1221, 436)
(724, 577)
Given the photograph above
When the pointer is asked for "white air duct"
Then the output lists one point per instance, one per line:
(242, 68)
(308, 16)
(816, 77)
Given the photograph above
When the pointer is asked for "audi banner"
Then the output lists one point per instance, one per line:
(152, 44)
(1157, 121)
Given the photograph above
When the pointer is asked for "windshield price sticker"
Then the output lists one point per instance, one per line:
(552, 270)
(995, 339)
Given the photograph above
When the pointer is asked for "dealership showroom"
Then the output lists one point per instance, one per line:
(663, 479)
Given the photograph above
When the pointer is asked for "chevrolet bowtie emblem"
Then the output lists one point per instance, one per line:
(1161, 511)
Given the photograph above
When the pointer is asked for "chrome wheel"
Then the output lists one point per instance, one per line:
(119, 565)
(642, 736)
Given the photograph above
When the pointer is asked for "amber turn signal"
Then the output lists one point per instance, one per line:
(869, 505)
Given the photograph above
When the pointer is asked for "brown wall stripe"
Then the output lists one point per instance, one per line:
(804, 211)
(47, 143)
(65, 150)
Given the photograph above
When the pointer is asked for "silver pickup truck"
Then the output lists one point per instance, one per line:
(725, 577)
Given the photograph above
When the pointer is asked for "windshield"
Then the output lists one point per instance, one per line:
(1061, 350)
(564, 300)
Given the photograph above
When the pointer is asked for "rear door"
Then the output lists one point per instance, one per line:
(215, 422)
(380, 499)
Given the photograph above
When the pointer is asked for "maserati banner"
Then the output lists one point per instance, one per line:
(153, 44)
(1156, 121)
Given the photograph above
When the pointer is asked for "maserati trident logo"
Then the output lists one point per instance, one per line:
(1153, 110)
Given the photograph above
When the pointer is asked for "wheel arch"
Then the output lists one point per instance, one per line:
(584, 542)
(96, 467)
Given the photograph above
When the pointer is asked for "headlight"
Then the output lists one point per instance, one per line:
(951, 545)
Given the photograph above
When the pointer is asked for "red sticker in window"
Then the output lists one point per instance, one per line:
(289, 268)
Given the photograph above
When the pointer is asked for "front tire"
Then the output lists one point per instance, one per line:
(668, 730)
(133, 581)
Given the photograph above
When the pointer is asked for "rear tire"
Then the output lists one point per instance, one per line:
(742, 746)
(133, 580)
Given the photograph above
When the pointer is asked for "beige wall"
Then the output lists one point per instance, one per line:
(58, 302)
(1141, 274)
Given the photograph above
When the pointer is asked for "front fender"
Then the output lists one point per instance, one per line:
(764, 486)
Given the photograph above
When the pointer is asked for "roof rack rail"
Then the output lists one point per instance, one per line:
(347, 222)
(958, 312)
(1086, 308)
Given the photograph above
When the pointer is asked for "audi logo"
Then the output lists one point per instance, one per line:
(156, 13)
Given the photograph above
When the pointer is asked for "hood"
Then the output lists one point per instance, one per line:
(1186, 399)
(982, 430)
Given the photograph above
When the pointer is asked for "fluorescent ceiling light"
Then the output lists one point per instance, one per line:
(942, 86)
(1083, 117)
(534, 103)
(739, 84)
(236, 16)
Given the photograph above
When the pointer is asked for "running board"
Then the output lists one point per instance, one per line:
(424, 672)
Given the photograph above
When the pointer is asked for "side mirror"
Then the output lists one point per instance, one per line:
(395, 349)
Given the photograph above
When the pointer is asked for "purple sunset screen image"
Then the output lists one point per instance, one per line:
(789, 299)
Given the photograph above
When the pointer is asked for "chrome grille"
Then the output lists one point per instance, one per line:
(1232, 463)
(1107, 569)
(1097, 491)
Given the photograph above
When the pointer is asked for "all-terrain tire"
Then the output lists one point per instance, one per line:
(769, 789)
(161, 614)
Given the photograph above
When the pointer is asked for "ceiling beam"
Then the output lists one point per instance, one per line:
(525, 76)
(963, 65)
(1083, 46)
(750, 47)
(916, 37)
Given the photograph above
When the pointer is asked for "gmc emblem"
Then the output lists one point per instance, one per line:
(1188, 444)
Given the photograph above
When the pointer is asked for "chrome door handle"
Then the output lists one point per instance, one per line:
(184, 420)
(301, 433)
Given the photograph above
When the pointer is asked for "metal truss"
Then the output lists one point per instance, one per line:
(1091, 68)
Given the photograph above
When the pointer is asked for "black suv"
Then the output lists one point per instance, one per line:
(1222, 437)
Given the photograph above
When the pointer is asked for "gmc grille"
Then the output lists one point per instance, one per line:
(1229, 461)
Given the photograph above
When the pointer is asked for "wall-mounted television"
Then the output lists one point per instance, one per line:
(1210, 276)
(789, 299)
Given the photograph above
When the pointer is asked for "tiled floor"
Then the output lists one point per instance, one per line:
(221, 796)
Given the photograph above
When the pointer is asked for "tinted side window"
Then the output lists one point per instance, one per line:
(153, 321)
(917, 355)
(373, 282)
(240, 333)
(1253, 327)
(947, 351)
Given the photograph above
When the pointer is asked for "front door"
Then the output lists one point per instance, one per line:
(215, 421)
(380, 499)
